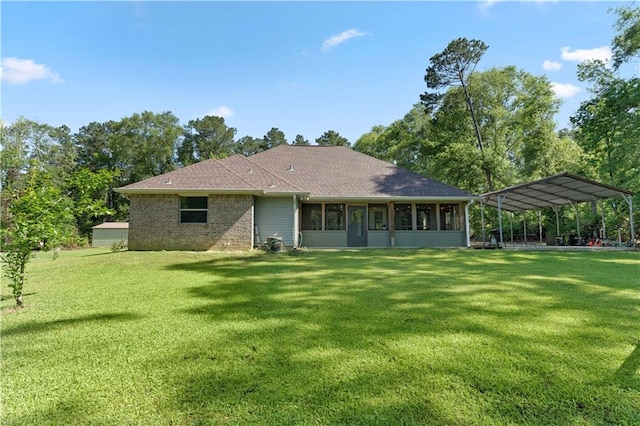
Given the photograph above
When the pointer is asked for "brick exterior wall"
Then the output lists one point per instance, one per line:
(154, 224)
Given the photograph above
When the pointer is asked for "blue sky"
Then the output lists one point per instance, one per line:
(303, 67)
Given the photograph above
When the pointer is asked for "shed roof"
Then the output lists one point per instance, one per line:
(112, 225)
(554, 190)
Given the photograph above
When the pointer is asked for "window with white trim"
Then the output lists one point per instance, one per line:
(193, 209)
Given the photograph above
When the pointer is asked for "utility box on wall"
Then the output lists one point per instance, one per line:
(108, 233)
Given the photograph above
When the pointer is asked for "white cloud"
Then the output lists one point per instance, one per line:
(485, 5)
(22, 71)
(551, 66)
(138, 9)
(564, 90)
(580, 55)
(341, 38)
(221, 111)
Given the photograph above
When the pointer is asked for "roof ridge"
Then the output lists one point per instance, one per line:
(237, 175)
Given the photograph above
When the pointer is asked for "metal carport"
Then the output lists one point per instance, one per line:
(553, 191)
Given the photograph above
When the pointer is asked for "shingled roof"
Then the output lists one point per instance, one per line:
(319, 172)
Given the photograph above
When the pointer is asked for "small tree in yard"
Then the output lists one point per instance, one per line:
(40, 215)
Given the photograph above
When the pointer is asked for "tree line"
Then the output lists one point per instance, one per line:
(89, 164)
(486, 130)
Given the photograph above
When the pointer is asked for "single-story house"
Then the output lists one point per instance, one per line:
(308, 196)
(109, 233)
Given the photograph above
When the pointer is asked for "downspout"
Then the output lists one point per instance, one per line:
(524, 226)
(511, 226)
(482, 222)
(392, 225)
(604, 225)
(555, 210)
(500, 200)
(296, 222)
(540, 225)
(575, 206)
(253, 222)
(631, 227)
(466, 222)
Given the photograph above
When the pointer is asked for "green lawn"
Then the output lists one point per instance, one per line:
(455, 337)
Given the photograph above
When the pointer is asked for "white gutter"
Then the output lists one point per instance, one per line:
(205, 191)
(382, 200)
(186, 191)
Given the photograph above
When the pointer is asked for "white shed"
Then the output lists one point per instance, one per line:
(108, 233)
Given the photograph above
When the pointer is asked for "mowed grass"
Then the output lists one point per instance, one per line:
(451, 337)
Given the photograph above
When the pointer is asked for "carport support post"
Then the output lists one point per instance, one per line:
(511, 225)
(482, 222)
(604, 226)
(540, 225)
(629, 200)
(555, 210)
(524, 228)
(575, 206)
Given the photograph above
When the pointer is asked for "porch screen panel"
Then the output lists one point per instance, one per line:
(403, 220)
(311, 217)
(426, 216)
(334, 216)
(449, 217)
(378, 217)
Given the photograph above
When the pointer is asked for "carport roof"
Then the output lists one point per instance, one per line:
(554, 190)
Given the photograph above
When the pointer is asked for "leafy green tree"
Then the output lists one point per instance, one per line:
(300, 140)
(147, 142)
(516, 112)
(15, 152)
(205, 138)
(372, 143)
(27, 143)
(248, 145)
(626, 43)
(454, 67)
(90, 193)
(103, 151)
(132, 149)
(98, 147)
(607, 125)
(332, 137)
(406, 142)
(59, 152)
(273, 138)
(40, 216)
